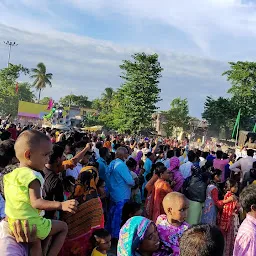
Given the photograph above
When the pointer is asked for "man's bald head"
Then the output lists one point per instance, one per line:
(29, 140)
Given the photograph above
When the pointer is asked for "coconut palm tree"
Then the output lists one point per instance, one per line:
(108, 94)
(42, 79)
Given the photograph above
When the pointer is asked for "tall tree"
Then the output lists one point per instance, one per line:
(75, 100)
(220, 114)
(42, 78)
(177, 117)
(242, 76)
(9, 97)
(139, 93)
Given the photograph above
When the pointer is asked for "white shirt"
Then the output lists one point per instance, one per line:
(243, 165)
(75, 171)
(185, 169)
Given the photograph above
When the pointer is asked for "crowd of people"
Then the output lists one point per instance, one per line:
(78, 193)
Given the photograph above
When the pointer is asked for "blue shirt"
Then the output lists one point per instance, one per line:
(119, 181)
(103, 167)
(147, 166)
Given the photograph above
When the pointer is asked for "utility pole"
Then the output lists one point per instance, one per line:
(10, 45)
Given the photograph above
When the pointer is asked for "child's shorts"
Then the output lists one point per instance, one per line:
(43, 226)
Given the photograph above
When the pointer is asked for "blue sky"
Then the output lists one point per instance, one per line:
(82, 42)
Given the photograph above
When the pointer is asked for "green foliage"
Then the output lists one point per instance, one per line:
(135, 101)
(45, 100)
(220, 114)
(42, 79)
(9, 99)
(177, 117)
(242, 76)
(75, 100)
(91, 119)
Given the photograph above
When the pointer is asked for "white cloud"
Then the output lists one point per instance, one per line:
(86, 66)
(203, 20)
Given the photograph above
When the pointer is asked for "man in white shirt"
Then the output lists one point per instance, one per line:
(244, 164)
(185, 169)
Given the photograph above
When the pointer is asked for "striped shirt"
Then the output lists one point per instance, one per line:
(245, 243)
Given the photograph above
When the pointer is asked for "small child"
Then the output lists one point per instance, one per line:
(68, 187)
(101, 240)
(23, 192)
(228, 219)
(172, 225)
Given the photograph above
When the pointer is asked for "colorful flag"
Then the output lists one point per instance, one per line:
(237, 123)
(17, 87)
(50, 104)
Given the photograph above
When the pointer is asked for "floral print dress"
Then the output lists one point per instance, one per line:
(170, 235)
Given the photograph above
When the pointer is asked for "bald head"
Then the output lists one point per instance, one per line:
(175, 206)
(29, 140)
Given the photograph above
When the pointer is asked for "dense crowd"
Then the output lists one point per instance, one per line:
(78, 193)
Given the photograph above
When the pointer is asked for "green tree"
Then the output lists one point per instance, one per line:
(177, 117)
(45, 100)
(135, 102)
(220, 114)
(242, 76)
(75, 100)
(42, 78)
(9, 98)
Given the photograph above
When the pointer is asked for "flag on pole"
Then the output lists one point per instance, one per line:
(254, 128)
(17, 87)
(237, 123)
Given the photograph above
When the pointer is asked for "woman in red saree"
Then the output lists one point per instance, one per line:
(228, 219)
(160, 190)
(88, 217)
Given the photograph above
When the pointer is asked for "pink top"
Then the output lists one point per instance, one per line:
(220, 164)
(170, 235)
(245, 243)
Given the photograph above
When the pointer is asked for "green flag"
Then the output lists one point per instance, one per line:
(237, 123)
(254, 128)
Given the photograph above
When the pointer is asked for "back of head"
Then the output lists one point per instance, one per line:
(57, 152)
(191, 156)
(29, 140)
(160, 170)
(248, 198)
(250, 152)
(170, 154)
(202, 240)
(131, 163)
(219, 154)
(7, 152)
(103, 152)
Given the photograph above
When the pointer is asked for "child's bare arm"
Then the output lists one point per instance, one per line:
(38, 203)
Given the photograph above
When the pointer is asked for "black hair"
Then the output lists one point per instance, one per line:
(98, 145)
(205, 154)
(100, 182)
(67, 182)
(191, 156)
(7, 152)
(103, 151)
(160, 170)
(131, 163)
(219, 154)
(101, 233)
(57, 152)
(170, 154)
(178, 152)
(149, 154)
(202, 240)
(130, 208)
(248, 198)
(250, 152)
(213, 172)
(225, 156)
(230, 184)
